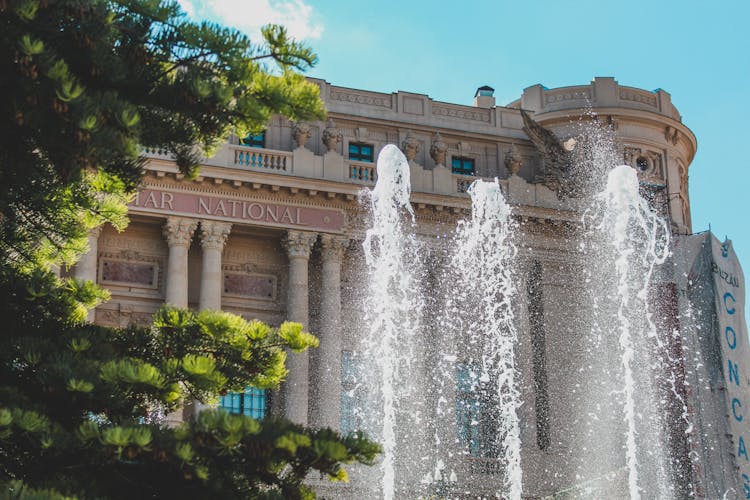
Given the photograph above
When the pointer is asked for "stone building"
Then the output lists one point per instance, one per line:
(272, 230)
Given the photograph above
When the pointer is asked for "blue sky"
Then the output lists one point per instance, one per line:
(699, 52)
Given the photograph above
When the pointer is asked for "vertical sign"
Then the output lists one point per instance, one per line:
(729, 290)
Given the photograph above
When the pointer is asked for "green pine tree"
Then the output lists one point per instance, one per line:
(86, 84)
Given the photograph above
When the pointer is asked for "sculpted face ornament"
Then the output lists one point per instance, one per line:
(332, 136)
(438, 150)
(513, 160)
(410, 147)
(301, 133)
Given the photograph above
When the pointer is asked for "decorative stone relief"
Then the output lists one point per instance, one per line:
(655, 159)
(333, 247)
(566, 95)
(513, 160)
(332, 136)
(299, 243)
(638, 96)
(462, 112)
(214, 234)
(301, 132)
(438, 150)
(178, 231)
(257, 286)
(672, 135)
(647, 163)
(684, 200)
(629, 154)
(129, 267)
(410, 147)
(137, 273)
(381, 100)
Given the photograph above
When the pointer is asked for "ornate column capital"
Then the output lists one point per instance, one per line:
(214, 234)
(333, 246)
(299, 243)
(178, 231)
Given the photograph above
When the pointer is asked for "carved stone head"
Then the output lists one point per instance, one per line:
(332, 136)
(438, 150)
(301, 133)
(513, 160)
(410, 147)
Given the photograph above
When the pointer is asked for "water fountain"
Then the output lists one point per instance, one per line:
(416, 374)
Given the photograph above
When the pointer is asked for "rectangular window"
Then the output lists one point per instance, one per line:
(462, 165)
(539, 358)
(361, 152)
(476, 410)
(251, 402)
(352, 395)
(255, 140)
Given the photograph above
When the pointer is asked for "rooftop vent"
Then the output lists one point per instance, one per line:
(484, 97)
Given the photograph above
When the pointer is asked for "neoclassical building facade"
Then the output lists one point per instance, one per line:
(272, 229)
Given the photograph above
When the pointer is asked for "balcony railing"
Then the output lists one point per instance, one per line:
(266, 160)
(313, 166)
(463, 182)
(158, 152)
(363, 172)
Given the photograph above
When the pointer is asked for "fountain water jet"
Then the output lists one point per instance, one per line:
(394, 307)
(627, 241)
(483, 265)
(638, 241)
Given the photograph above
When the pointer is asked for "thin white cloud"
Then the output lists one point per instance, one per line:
(249, 15)
(188, 7)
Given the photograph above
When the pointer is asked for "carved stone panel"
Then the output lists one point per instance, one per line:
(256, 286)
(129, 268)
(137, 273)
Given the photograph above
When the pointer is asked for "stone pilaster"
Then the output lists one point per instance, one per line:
(213, 237)
(296, 388)
(178, 231)
(86, 267)
(326, 405)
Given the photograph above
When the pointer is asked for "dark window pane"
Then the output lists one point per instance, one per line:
(255, 141)
(251, 402)
(462, 166)
(360, 152)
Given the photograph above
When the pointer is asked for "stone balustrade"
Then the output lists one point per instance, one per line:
(266, 160)
(363, 172)
(463, 182)
(156, 153)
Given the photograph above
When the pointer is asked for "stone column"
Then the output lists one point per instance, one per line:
(296, 387)
(326, 410)
(213, 237)
(86, 268)
(178, 231)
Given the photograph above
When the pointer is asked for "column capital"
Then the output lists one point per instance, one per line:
(214, 234)
(178, 231)
(333, 246)
(299, 243)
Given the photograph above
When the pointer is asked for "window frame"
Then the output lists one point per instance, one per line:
(236, 403)
(461, 170)
(352, 393)
(359, 156)
(254, 140)
(476, 431)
